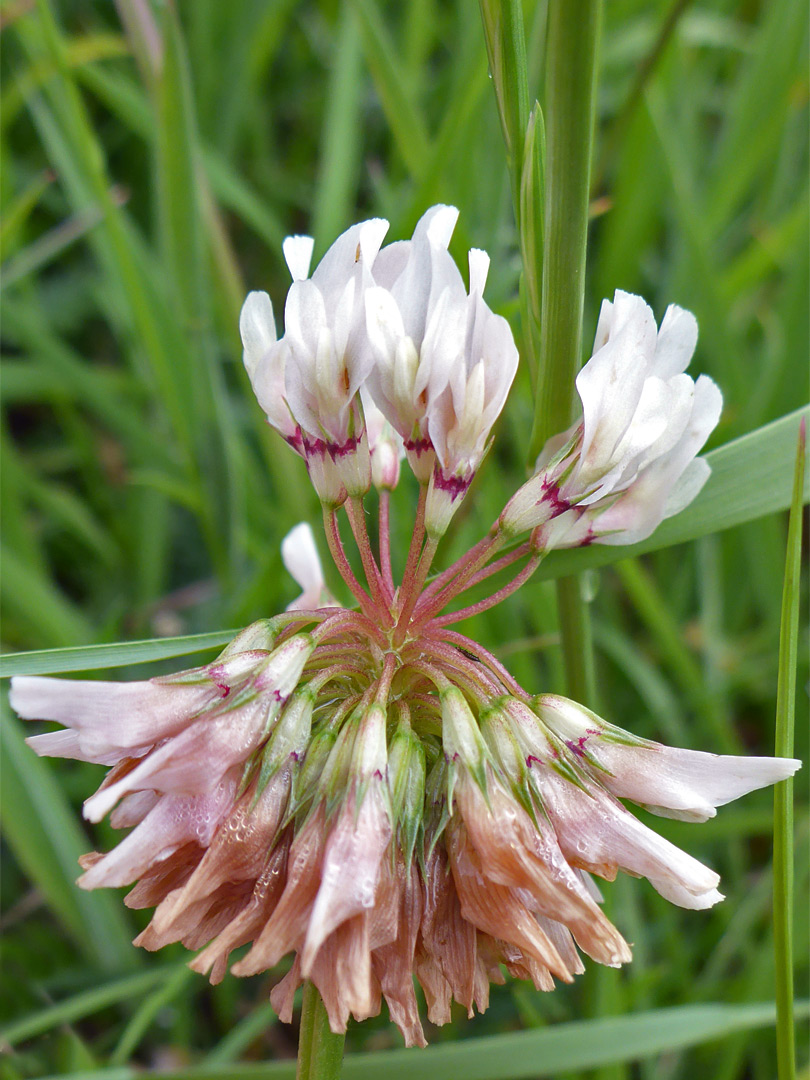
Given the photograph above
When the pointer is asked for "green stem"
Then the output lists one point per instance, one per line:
(320, 1051)
(571, 53)
(577, 642)
(783, 793)
(569, 107)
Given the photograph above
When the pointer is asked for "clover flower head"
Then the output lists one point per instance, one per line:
(362, 787)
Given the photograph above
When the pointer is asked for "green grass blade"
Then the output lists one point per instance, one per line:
(98, 657)
(506, 49)
(402, 113)
(783, 794)
(340, 139)
(85, 1004)
(41, 829)
(545, 1052)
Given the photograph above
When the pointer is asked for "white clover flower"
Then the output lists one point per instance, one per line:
(630, 461)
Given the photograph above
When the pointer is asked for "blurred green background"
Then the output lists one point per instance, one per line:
(154, 157)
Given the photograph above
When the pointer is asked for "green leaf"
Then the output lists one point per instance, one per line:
(545, 1052)
(401, 111)
(87, 1003)
(783, 794)
(98, 657)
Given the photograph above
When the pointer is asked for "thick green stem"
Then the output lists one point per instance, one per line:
(570, 94)
(573, 38)
(577, 644)
(320, 1051)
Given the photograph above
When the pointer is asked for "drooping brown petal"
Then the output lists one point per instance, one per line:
(446, 955)
(248, 923)
(286, 928)
(497, 909)
(238, 851)
(163, 878)
(393, 961)
(517, 854)
(342, 973)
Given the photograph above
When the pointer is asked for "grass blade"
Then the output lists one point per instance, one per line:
(783, 794)
(84, 1004)
(545, 1052)
(98, 657)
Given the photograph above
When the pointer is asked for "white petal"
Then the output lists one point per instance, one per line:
(257, 327)
(611, 383)
(479, 268)
(298, 255)
(360, 243)
(677, 339)
(438, 224)
(304, 316)
(687, 784)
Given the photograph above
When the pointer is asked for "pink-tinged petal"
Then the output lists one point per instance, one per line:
(108, 716)
(676, 343)
(133, 809)
(596, 833)
(193, 761)
(173, 821)
(68, 744)
(257, 327)
(350, 870)
(298, 255)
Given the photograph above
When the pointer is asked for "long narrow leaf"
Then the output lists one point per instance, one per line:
(783, 795)
(542, 1053)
